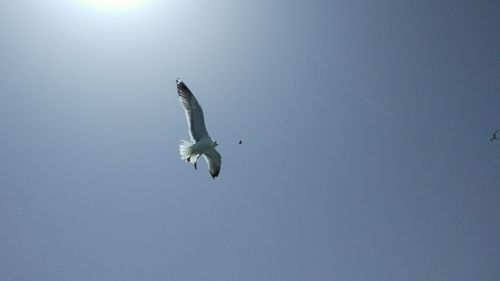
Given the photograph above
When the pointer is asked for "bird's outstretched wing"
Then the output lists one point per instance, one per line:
(213, 159)
(194, 113)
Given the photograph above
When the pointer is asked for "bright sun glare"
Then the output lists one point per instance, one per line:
(115, 5)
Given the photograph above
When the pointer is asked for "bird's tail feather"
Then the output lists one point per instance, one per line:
(186, 151)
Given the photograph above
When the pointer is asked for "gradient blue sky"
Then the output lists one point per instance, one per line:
(365, 128)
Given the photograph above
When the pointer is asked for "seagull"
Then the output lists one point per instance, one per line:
(201, 143)
(494, 136)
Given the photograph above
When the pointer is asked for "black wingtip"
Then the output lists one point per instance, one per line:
(214, 175)
(181, 87)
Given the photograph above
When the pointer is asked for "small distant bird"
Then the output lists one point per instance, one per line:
(201, 143)
(240, 142)
(494, 136)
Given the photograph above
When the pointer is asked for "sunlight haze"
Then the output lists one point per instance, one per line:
(115, 5)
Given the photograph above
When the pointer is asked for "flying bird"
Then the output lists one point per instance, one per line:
(201, 143)
(494, 136)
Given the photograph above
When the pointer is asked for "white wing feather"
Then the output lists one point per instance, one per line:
(213, 159)
(194, 113)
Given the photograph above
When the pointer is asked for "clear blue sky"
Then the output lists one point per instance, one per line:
(365, 128)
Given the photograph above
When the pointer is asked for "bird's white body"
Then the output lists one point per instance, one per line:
(203, 146)
(190, 151)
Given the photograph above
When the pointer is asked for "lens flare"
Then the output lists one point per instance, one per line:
(115, 5)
